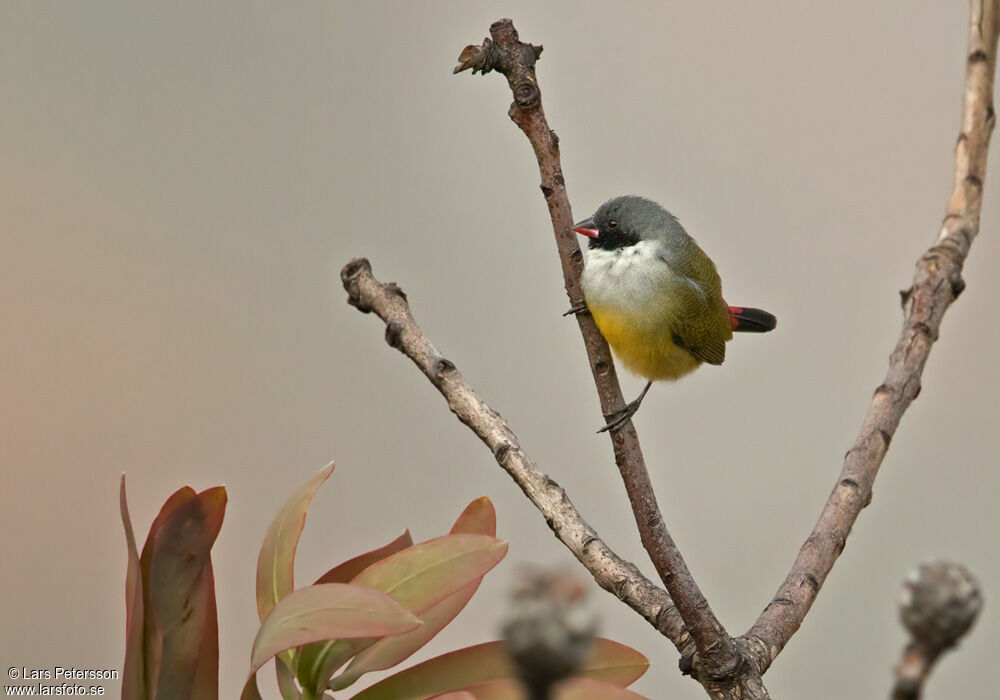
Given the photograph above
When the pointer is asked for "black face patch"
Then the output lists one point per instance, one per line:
(612, 239)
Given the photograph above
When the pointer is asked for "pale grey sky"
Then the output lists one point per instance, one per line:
(180, 184)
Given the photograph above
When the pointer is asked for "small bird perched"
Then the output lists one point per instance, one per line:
(655, 296)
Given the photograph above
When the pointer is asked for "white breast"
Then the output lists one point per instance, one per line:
(631, 281)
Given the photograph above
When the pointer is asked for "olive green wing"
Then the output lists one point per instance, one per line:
(701, 321)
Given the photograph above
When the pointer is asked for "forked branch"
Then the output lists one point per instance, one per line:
(727, 668)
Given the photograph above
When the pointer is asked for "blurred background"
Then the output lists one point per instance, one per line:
(181, 183)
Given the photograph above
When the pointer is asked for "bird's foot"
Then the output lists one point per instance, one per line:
(578, 309)
(622, 416)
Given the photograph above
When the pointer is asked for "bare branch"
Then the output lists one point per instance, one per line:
(727, 668)
(937, 282)
(506, 54)
(939, 604)
(610, 571)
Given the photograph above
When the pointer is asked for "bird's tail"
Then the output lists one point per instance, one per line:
(749, 320)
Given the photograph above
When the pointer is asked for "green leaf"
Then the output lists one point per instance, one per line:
(317, 662)
(389, 651)
(133, 670)
(343, 573)
(286, 682)
(250, 689)
(426, 573)
(478, 518)
(181, 595)
(609, 662)
(571, 689)
(328, 611)
(276, 562)
(417, 577)
(457, 695)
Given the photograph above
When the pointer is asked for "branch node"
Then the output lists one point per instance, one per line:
(395, 290)
(349, 278)
(502, 452)
(957, 286)
(481, 59)
(978, 56)
(686, 665)
(904, 296)
(921, 328)
(851, 483)
(886, 437)
(443, 366)
(393, 335)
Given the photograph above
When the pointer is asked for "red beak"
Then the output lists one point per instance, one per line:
(587, 227)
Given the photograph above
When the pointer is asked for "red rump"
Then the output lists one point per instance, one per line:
(735, 311)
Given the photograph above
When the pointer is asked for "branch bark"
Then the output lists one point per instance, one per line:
(504, 52)
(937, 282)
(727, 668)
(611, 572)
(913, 670)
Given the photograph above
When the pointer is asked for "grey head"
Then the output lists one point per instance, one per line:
(624, 221)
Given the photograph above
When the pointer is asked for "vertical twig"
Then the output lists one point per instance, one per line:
(505, 53)
(937, 282)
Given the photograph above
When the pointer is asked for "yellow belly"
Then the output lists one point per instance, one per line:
(645, 349)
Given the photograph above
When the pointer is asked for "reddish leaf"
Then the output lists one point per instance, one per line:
(418, 577)
(181, 549)
(609, 662)
(328, 611)
(182, 596)
(206, 679)
(152, 639)
(505, 689)
(592, 689)
(345, 572)
(478, 518)
(572, 689)
(133, 670)
(276, 562)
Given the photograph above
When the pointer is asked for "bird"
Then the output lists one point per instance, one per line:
(655, 295)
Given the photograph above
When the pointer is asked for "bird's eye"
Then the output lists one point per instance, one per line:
(612, 224)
